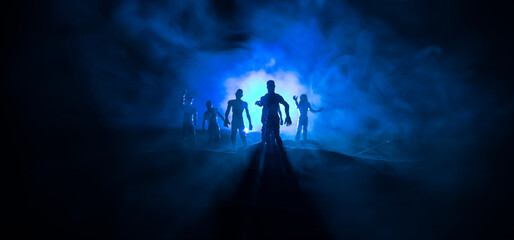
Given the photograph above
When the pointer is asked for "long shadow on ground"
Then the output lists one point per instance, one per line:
(268, 202)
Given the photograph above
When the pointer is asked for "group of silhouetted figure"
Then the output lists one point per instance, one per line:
(271, 118)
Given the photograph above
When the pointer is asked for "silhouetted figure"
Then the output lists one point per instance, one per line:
(190, 117)
(211, 116)
(270, 107)
(238, 106)
(303, 107)
(266, 135)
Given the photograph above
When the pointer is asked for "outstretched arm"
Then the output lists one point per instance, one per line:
(259, 103)
(295, 98)
(248, 116)
(219, 114)
(286, 107)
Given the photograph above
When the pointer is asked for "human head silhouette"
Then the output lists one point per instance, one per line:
(303, 98)
(239, 93)
(271, 86)
(208, 104)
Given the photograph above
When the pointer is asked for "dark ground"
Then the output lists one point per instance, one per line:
(140, 185)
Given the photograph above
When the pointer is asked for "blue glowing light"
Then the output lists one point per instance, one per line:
(253, 84)
(374, 84)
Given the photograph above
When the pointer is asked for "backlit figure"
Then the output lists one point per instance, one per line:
(270, 104)
(238, 106)
(211, 116)
(303, 107)
(189, 118)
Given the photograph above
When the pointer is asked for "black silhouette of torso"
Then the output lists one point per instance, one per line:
(270, 106)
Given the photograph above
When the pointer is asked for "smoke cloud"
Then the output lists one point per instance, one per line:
(383, 91)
